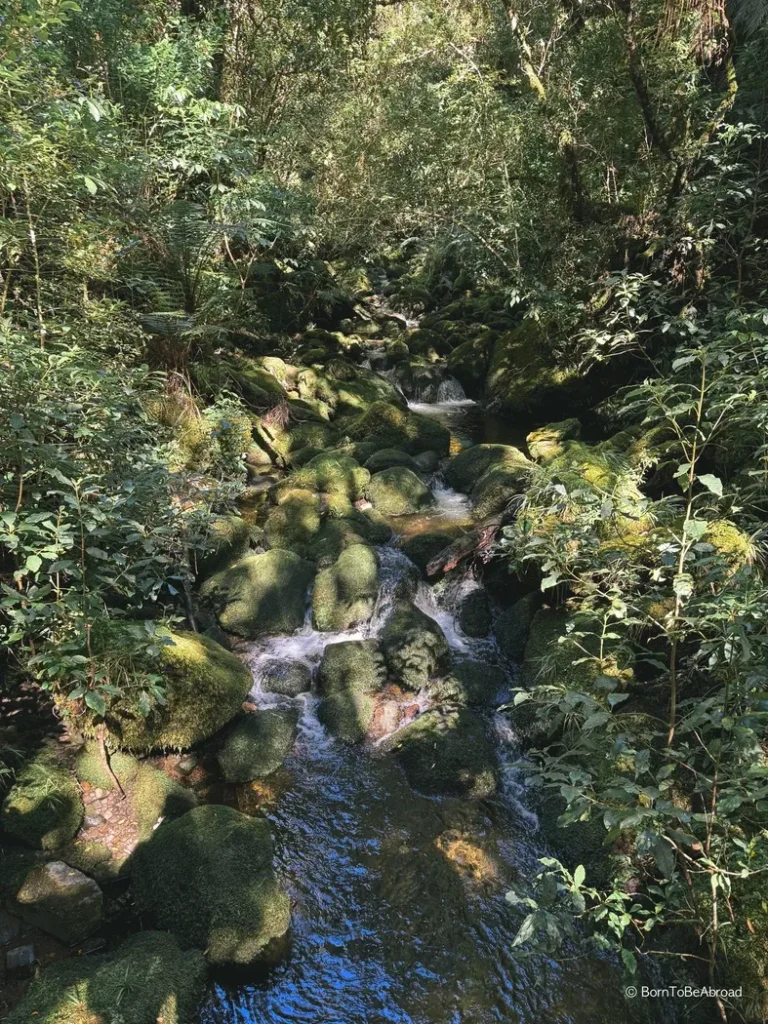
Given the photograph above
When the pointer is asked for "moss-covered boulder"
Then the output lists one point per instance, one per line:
(282, 440)
(525, 376)
(351, 673)
(470, 360)
(146, 980)
(422, 547)
(208, 878)
(333, 473)
(389, 457)
(393, 427)
(471, 683)
(295, 522)
(258, 744)
(467, 469)
(512, 626)
(414, 646)
(568, 663)
(261, 594)
(399, 492)
(337, 533)
(548, 442)
(288, 678)
(43, 807)
(448, 752)
(345, 593)
(474, 614)
(495, 490)
(228, 540)
(61, 900)
(204, 685)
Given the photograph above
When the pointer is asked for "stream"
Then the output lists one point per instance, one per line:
(399, 909)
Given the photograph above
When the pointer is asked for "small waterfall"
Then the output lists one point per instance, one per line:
(449, 390)
(451, 504)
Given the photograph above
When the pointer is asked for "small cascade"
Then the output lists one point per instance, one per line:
(449, 390)
(451, 504)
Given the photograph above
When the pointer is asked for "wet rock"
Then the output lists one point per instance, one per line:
(427, 462)
(258, 745)
(414, 646)
(289, 678)
(20, 961)
(147, 979)
(345, 593)
(469, 361)
(399, 492)
(261, 594)
(61, 900)
(471, 683)
(447, 752)
(475, 614)
(351, 673)
(188, 763)
(422, 547)
(208, 878)
(513, 625)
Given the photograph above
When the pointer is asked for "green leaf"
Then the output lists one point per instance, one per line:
(96, 702)
(90, 184)
(712, 483)
(629, 960)
(579, 875)
(33, 563)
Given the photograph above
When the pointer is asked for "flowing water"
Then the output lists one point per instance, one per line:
(399, 909)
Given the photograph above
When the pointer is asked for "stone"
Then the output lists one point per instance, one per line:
(399, 492)
(20, 961)
(288, 678)
(10, 927)
(345, 593)
(61, 900)
(258, 744)
(414, 646)
(351, 674)
(427, 462)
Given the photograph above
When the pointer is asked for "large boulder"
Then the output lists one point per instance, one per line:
(351, 673)
(399, 492)
(447, 752)
(146, 980)
(474, 614)
(294, 524)
(414, 646)
(422, 547)
(61, 900)
(208, 878)
(512, 625)
(261, 594)
(386, 458)
(43, 807)
(393, 427)
(525, 376)
(332, 473)
(346, 592)
(471, 683)
(288, 678)
(465, 470)
(205, 686)
(258, 744)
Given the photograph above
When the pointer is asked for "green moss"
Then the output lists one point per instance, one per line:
(548, 660)
(258, 744)
(548, 442)
(393, 427)
(350, 674)
(43, 808)
(207, 877)
(284, 441)
(421, 548)
(345, 593)
(289, 678)
(205, 686)
(338, 534)
(399, 492)
(61, 900)
(525, 377)
(735, 548)
(466, 470)
(333, 473)
(261, 594)
(258, 388)
(148, 979)
(386, 458)
(228, 540)
(495, 489)
(414, 646)
(295, 523)
(447, 752)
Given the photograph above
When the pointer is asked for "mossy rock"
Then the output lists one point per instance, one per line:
(547, 660)
(422, 547)
(548, 442)
(414, 646)
(494, 491)
(397, 350)
(336, 535)
(295, 523)
(261, 594)
(43, 807)
(147, 979)
(258, 744)
(152, 794)
(399, 492)
(351, 673)
(204, 685)
(525, 377)
(394, 427)
(470, 360)
(512, 626)
(386, 458)
(282, 442)
(259, 389)
(334, 474)
(208, 878)
(215, 439)
(474, 615)
(345, 593)
(465, 470)
(733, 546)
(228, 540)
(471, 683)
(448, 753)
(61, 900)
(288, 678)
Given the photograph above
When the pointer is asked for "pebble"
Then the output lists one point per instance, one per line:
(94, 820)
(188, 764)
(20, 960)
